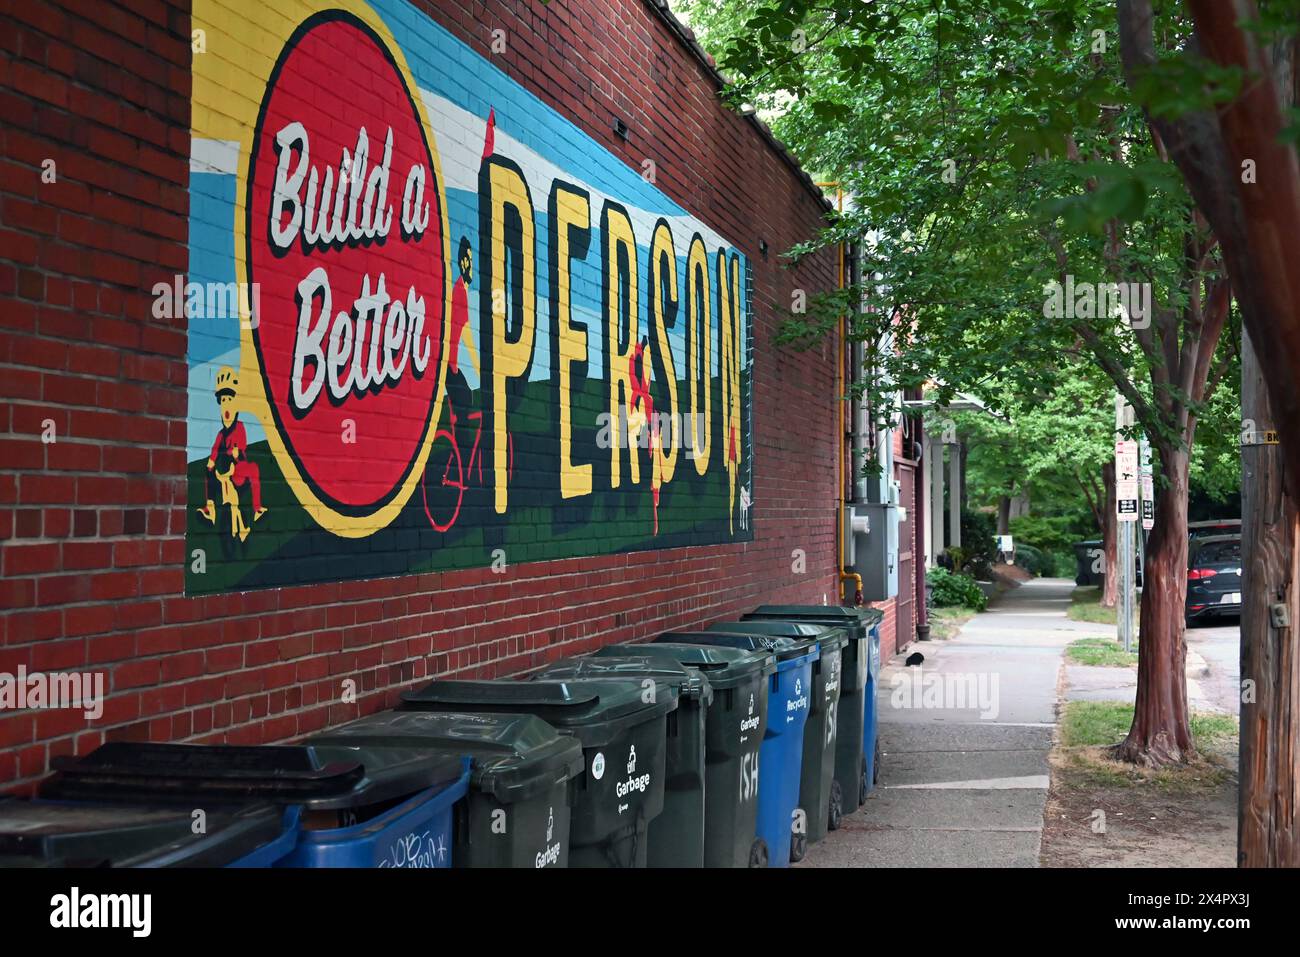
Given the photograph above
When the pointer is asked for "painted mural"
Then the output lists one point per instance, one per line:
(434, 325)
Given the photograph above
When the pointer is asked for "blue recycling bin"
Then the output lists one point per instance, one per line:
(274, 851)
(870, 717)
(45, 833)
(417, 833)
(850, 730)
(780, 757)
(358, 806)
(821, 800)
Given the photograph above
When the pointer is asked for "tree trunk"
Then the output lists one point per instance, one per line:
(1161, 732)
(1004, 514)
(1109, 540)
(1269, 769)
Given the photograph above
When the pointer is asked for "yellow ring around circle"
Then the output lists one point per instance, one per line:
(270, 27)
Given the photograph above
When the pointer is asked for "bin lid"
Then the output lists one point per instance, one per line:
(781, 647)
(513, 756)
(58, 834)
(685, 682)
(843, 613)
(724, 667)
(318, 778)
(828, 637)
(594, 710)
(851, 619)
(872, 616)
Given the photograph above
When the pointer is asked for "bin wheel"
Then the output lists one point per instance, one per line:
(866, 786)
(875, 765)
(798, 847)
(758, 853)
(837, 806)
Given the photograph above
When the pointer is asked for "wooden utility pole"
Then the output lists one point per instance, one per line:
(1268, 832)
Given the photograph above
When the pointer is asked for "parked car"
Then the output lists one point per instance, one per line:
(1216, 526)
(1214, 577)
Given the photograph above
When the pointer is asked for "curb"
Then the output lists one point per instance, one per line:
(1197, 666)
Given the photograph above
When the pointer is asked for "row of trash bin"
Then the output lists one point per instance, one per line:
(735, 746)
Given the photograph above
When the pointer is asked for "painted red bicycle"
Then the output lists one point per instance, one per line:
(443, 498)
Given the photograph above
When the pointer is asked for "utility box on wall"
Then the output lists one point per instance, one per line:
(873, 553)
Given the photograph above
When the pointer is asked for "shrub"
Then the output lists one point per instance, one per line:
(1063, 563)
(1046, 564)
(947, 589)
(977, 531)
(1051, 533)
(1032, 559)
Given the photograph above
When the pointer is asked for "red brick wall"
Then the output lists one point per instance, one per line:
(92, 524)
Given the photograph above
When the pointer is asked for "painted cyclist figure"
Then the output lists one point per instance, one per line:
(458, 389)
(460, 309)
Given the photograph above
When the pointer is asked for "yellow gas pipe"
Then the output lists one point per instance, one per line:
(839, 436)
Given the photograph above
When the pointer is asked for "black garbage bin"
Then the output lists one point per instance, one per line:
(820, 796)
(676, 837)
(781, 752)
(849, 735)
(733, 731)
(872, 618)
(621, 789)
(1090, 565)
(522, 774)
(44, 833)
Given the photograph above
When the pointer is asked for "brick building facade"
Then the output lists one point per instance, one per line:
(105, 191)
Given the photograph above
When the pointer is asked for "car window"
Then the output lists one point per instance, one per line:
(1215, 552)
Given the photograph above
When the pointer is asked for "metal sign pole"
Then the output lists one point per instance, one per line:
(1126, 585)
(1126, 513)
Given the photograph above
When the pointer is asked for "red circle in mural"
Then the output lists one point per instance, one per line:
(345, 246)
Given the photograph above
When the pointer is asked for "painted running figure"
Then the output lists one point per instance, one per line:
(644, 417)
(228, 466)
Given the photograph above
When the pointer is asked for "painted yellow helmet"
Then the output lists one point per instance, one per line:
(227, 382)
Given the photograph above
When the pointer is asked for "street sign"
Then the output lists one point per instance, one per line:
(1148, 486)
(1126, 480)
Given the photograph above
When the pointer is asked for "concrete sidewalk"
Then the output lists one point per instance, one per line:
(966, 738)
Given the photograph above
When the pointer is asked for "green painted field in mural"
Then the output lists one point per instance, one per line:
(286, 547)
